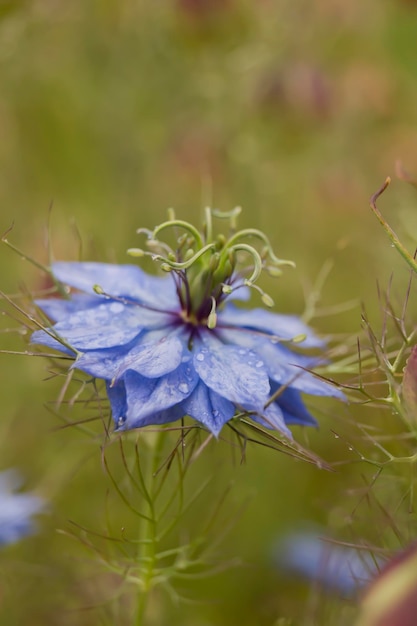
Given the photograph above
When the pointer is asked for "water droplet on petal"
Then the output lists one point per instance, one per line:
(183, 387)
(121, 421)
(215, 413)
(242, 351)
(200, 356)
(116, 307)
(259, 364)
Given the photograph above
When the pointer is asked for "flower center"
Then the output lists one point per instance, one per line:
(207, 267)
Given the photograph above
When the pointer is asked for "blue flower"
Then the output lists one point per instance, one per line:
(177, 345)
(16, 509)
(310, 555)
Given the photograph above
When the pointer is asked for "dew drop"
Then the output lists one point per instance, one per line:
(200, 356)
(215, 413)
(183, 387)
(259, 364)
(121, 421)
(242, 351)
(116, 307)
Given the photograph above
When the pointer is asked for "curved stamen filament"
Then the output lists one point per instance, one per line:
(254, 232)
(175, 265)
(257, 261)
(182, 224)
(208, 224)
(266, 298)
(228, 215)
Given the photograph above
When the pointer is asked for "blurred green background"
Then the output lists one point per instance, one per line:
(111, 111)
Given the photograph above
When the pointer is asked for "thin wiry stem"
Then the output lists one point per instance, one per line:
(390, 232)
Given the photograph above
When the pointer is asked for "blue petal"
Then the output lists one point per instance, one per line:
(241, 292)
(237, 374)
(16, 509)
(209, 408)
(118, 401)
(120, 281)
(292, 407)
(42, 338)
(152, 354)
(293, 374)
(15, 513)
(343, 569)
(283, 327)
(287, 367)
(57, 309)
(271, 417)
(148, 396)
(153, 359)
(172, 414)
(117, 397)
(108, 325)
(102, 363)
(283, 365)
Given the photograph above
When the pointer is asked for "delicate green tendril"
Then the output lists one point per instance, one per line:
(208, 225)
(391, 234)
(254, 232)
(228, 215)
(175, 265)
(182, 224)
(257, 261)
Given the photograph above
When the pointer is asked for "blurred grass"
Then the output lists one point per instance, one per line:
(113, 111)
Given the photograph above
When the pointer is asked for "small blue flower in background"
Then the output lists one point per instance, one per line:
(176, 345)
(310, 555)
(16, 509)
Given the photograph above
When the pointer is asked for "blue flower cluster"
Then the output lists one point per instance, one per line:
(16, 509)
(176, 345)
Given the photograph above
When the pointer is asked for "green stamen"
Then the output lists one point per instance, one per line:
(186, 225)
(210, 266)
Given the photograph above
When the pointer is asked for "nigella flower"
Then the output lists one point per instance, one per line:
(310, 555)
(176, 345)
(16, 509)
